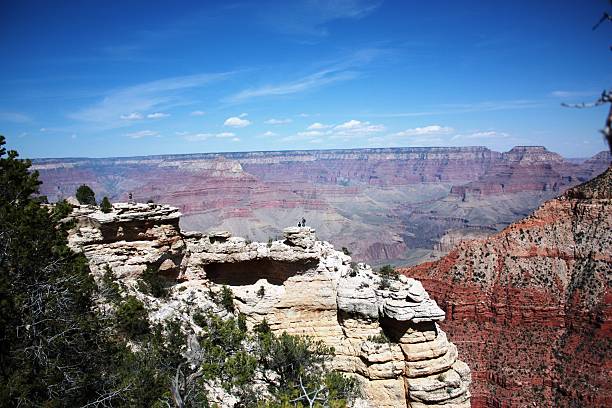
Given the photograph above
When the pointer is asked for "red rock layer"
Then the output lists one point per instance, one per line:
(530, 308)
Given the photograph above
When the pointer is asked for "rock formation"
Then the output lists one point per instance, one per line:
(384, 331)
(391, 204)
(530, 307)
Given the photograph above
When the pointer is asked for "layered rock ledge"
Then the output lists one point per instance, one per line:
(384, 332)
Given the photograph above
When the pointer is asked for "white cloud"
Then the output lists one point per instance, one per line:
(198, 113)
(310, 133)
(269, 134)
(142, 133)
(273, 121)
(236, 139)
(318, 126)
(43, 129)
(132, 116)
(426, 130)
(356, 128)
(225, 135)
(243, 115)
(237, 122)
(158, 115)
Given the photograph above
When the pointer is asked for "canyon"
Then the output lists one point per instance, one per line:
(385, 333)
(529, 307)
(388, 205)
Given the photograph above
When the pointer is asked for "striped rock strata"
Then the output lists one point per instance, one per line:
(386, 335)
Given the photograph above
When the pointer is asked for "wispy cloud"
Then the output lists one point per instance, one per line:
(142, 133)
(198, 113)
(312, 81)
(132, 116)
(157, 115)
(425, 130)
(572, 94)
(154, 96)
(15, 117)
(310, 18)
(237, 122)
(318, 126)
(274, 121)
(486, 106)
(341, 69)
(268, 134)
(356, 128)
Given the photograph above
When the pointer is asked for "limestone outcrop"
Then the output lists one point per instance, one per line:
(384, 331)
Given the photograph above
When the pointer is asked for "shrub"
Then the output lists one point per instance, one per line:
(106, 205)
(380, 338)
(132, 317)
(227, 299)
(85, 195)
(152, 283)
(346, 251)
(387, 273)
(261, 292)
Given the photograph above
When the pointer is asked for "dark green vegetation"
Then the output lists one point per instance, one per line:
(58, 349)
(106, 205)
(387, 273)
(85, 195)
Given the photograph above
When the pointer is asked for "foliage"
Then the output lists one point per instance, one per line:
(106, 205)
(346, 251)
(132, 317)
(227, 299)
(387, 273)
(51, 343)
(261, 292)
(380, 338)
(152, 283)
(85, 195)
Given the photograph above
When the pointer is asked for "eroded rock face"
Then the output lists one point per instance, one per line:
(386, 335)
(386, 204)
(530, 308)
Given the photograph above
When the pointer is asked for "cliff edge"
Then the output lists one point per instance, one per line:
(384, 330)
(530, 307)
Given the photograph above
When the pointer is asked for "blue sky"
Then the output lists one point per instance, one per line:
(99, 78)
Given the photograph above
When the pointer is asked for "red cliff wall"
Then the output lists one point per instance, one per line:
(530, 308)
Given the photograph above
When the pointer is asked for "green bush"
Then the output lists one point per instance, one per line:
(151, 283)
(85, 195)
(227, 299)
(105, 205)
(132, 317)
(387, 273)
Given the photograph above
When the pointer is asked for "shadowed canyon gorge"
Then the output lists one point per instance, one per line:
(387, 205)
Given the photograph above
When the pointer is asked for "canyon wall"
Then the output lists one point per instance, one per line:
(385, 333)
(530, 307)
(385, 205)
